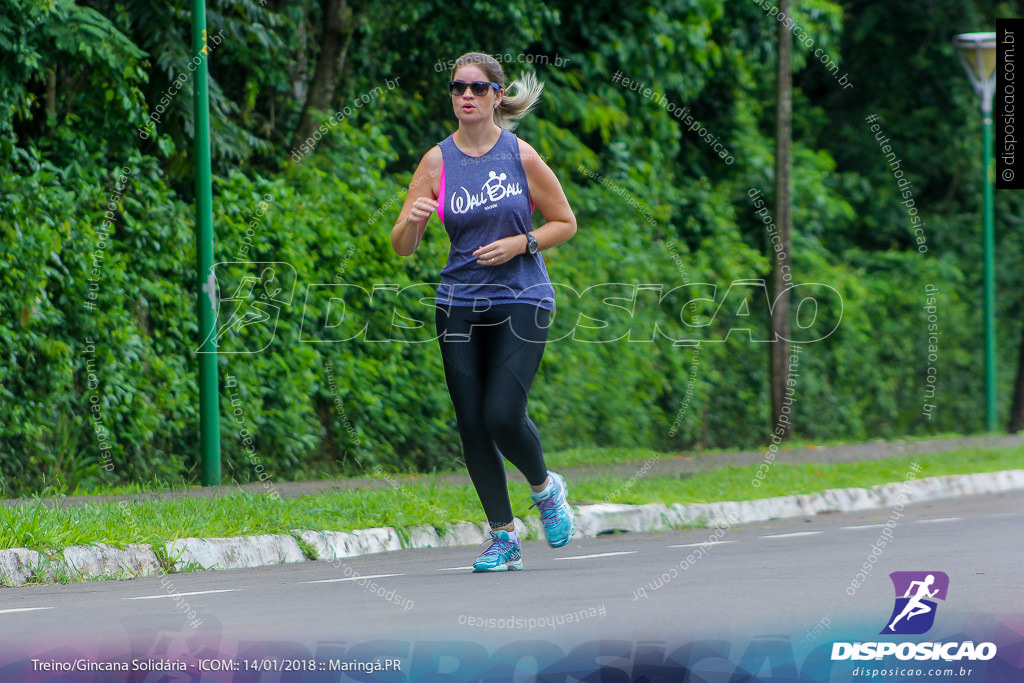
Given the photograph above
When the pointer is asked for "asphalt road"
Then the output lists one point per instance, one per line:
(786, 584)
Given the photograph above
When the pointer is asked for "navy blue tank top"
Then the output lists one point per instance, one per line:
(483, 199)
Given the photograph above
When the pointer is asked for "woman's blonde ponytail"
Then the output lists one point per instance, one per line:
(515, 107)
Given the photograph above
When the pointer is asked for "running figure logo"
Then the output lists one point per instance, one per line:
(248, 300)
(914, 611)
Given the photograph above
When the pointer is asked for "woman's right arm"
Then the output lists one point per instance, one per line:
(419, 204)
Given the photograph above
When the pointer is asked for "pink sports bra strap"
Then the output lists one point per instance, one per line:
(440, 193)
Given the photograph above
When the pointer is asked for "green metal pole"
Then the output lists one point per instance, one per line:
(209, 408)
(989, 274)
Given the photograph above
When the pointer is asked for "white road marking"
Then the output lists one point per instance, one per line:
(171, 595)
(588, 557)
(354, 578)
(694, 545)
(938, 519)
(794, 535)
(23, 609)
(864, 526)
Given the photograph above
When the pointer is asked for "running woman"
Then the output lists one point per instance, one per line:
(494, 302)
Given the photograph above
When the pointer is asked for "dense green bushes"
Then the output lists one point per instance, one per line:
(313, 403)
(98, 331)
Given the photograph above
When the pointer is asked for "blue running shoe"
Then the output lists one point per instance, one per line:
(504, 554)
(559, 519)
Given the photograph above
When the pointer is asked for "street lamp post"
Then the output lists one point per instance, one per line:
(978, 54)
(209, 411)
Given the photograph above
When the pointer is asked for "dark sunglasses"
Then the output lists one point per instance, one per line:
(479, 88)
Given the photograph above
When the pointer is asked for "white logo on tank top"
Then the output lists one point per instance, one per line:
(493, 190)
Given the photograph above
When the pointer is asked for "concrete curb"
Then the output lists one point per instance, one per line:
(335, 545)
(19, 566)
(606, 518)
(244, 552)
(93, 561)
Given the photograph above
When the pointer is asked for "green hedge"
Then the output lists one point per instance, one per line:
(304, 402)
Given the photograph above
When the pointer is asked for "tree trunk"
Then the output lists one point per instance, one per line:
(338, 25)
(51, 94)
(1017, 409)
(781, 424)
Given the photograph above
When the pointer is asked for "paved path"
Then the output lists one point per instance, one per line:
(782, 585)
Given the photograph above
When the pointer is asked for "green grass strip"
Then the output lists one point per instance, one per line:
(736, 483)
(36, 526)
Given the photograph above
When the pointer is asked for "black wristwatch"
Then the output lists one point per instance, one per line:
(531, 244)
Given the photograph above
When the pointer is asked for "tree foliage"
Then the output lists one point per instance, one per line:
(97, 377)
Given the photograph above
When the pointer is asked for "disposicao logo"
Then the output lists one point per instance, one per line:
(916, 592)
(913, 614)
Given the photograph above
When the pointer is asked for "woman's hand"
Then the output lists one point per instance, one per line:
(421, 210)
(501, 251)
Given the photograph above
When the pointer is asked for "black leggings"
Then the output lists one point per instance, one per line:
(490, 358)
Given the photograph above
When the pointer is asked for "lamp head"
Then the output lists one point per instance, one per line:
(978, 53)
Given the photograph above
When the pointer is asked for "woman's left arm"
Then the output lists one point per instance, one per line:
(547, 195)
